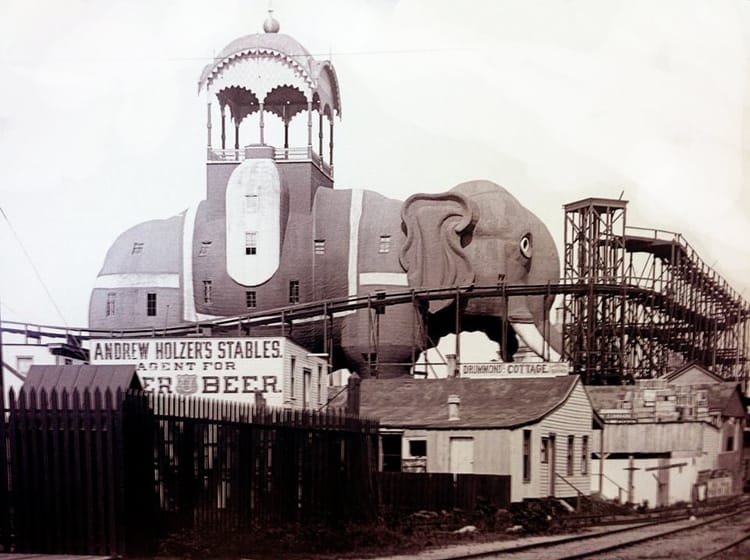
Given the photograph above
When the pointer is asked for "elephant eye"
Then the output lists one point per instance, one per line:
(526, 246)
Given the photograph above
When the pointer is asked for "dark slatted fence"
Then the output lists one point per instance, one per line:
(438, 491)
(104, 473)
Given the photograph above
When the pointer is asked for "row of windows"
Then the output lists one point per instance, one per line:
(548, 451)
(251, 245)
(251, 298)
(112, 299)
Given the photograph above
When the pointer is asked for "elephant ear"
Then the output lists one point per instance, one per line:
(437, 228)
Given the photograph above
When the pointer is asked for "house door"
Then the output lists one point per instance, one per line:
(461, 451)
(552, 463)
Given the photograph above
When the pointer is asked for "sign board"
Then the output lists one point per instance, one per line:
(226, 368)
(508, 370)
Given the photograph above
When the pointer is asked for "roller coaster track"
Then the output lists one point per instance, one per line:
(320, 310)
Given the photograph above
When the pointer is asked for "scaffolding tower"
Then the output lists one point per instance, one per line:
(665, 307)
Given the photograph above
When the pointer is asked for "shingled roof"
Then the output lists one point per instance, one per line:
(485, 403)
(81, 377)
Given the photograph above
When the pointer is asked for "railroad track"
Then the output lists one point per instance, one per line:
(602, 544)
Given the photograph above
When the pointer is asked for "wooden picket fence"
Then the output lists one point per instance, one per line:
(411, 492)
(113, 473)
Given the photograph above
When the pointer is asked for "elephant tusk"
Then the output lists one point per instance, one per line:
(529, 333)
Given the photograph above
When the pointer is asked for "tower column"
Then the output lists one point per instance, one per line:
(309, 126)
(330, 144)
(208, 125)
(223, 127)
(320, 135)
(236, 134)
(286, 127)
(262, 124)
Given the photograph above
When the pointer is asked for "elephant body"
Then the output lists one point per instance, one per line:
(272, 234)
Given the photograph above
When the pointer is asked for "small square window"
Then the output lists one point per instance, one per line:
(207, 291)
(251, 243)
(251, 299)
(320, 246)
(137, 248)
(294, 291)
(385, 244)
(418, 447)
(205, 246)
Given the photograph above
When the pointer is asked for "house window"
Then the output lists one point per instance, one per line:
(137, 248)
(111, 304)
(390, 445)
(306, 387)
(527, 455)
(151, 305)
(205, 246)
(585, 455)
(320, 246)
(293, 363)
(207, 289)
(730, 443)
(251, 243)
(251, 203)
(251, 300)
(385, 244)
(23, 363)
(294, 291)
(320, 377)
(544, 456)
(418, 447)
(571, 446)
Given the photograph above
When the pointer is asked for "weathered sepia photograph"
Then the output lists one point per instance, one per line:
(287, 279)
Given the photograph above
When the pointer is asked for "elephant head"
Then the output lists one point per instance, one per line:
(478, 234)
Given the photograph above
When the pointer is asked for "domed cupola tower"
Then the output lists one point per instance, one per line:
(262, 84)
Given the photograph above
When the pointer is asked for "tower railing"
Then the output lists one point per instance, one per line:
(292, 154)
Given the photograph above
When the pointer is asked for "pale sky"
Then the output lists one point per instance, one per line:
(101, 125)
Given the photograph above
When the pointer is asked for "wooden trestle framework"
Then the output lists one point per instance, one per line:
(636, 303)
(684, 313)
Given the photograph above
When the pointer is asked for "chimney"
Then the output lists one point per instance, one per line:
(454, 401)
(452, 365)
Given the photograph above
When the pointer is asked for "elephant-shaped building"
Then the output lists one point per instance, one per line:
(273, 231)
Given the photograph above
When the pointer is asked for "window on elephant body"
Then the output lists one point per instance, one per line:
(137, 248)
(251, 300)
(151, 304)
(294, 291)
(320, 247)
(207, 291)
(385, 244)
(110, 304)
(251, 243)
(251, 203)
(205, 246)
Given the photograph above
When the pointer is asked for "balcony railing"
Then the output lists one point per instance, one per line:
(296, 154)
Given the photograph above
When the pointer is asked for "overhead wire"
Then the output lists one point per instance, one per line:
(33, 266)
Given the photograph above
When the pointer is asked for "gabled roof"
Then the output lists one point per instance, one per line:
(81, 377)
(696, 372)
(485, 403)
